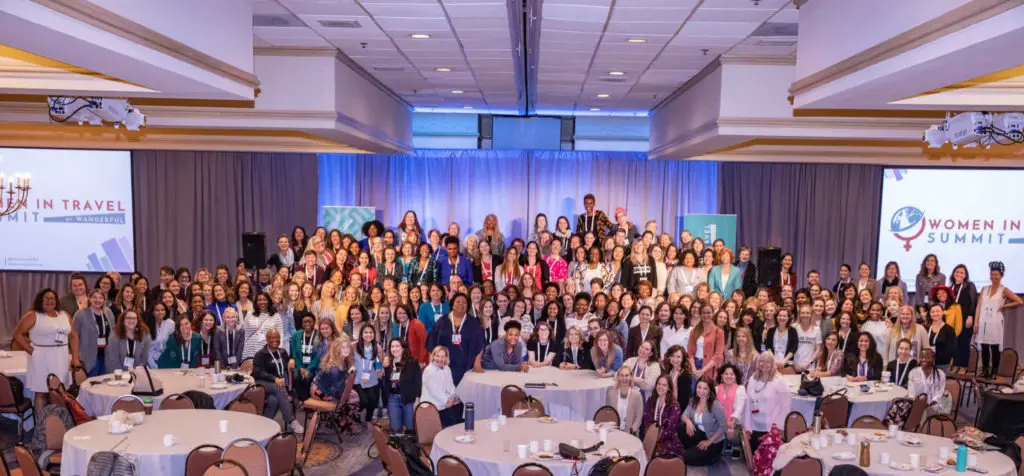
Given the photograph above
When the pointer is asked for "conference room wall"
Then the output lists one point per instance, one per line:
(190, 210)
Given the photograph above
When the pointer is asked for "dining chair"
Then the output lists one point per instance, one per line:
(794, 425)
(916, 414)
(396, 461)
(177, 401)
(54, 430)
(665, 466)
(428, 424)
(868, 422)
(532, 469)
(240, 404)
(528, 407)
(940, 425)
(802, 466)
(258, 396)
(451, 465)
(380, 440)
(835, 410)
(510, 395)
(26, 462)
(9, 405)
(246, 366)
(250, 454)
(128, 403)
(625, 466)
(651, 440)
(200, 458)
(226, 467)
(607, 414)
(281, 451)
(955, 392)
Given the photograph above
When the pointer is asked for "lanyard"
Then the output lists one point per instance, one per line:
(423, 272)
(639, 370)
(204, 347)
(900, 375)
(542, 351)
(457, 330)
(659, 406)
(588, 222)
(489, 332)
(275, 357)
(573, 352)
(438, 309)
(307, 347)
(643, 334)
(231, 335)
(186, 350)
(129, 346)
(103, 331)
(959, 289)
(862, 369)
(403, 332)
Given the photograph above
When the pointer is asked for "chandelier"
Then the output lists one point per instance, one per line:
(13, 194)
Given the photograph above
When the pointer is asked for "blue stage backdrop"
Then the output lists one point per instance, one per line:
(466, 185)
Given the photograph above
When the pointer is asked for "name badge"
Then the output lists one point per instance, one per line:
(101, 341)
(205, 361)
(307, 349)
(184, 365)
(395, 376)
(365, 376)
(437, 317)
(129, 362)
(687, 289)
(307, 359)
(61, 337)
(456, 339)
(232, 360)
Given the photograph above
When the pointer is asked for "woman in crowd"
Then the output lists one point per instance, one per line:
(220, 302)
(402, 385)
(846, 330)
(899, 369)
(576, 353)
(627, 401)
(965, 294)
(303, 350)
(892, 279)
(743, 353)
(782, 340)
(677, 330)
(940, 337)
(510, 272)
(368, 370)
(768, 399)
(988, 328)
(542, 349)
(439, 388)
(181, 351)
(94, 324)
(126, 300)
(645, 368)
(707, 345)
(606, 355)
(928, 380)
(704, 424)
(905, 328)
(411, 332)
(424, 267)
(875, 325)
(663, 410)
(436, 308)
(161, 327)
(829, 358)
(928, 277)
(256, 325)
(47, 336)
(676, 365)
(462, 335)
(808, 340)
(243, 302)
(864, 363)
(129, 343)
(723, 278)
(270, 369)
(208, 343)
(733, 396)
(645, 331)
(558, 268)
(533, 264)
(684, 278)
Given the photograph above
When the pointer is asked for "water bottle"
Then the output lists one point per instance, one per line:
(470, 417)
(961, 458)
(817, 423)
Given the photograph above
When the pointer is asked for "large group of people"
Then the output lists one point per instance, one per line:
(694, 336)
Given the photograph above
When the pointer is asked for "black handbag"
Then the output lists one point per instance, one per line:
(810, 386)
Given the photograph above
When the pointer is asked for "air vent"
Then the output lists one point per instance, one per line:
(776, 42)
(391, 69)
(340, 23)
(614, 80)
(278, 21)
(776, 29)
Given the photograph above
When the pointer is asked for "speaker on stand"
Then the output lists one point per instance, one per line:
(254, 250)
(769, 265)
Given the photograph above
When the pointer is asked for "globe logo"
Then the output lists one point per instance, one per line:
(904, 222)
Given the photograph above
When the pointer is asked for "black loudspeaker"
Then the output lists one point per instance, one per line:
(254, 250)
(769, 265)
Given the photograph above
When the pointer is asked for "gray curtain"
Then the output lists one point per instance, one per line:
(191, 209)
(824, 214)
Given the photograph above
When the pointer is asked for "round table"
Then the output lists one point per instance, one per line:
(97, 398)
(876, 403)
(577, 396)
(14, 364)
(486, 455)
(145, 442)
(995, 462)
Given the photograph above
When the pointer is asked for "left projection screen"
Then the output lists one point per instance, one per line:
(78, 215)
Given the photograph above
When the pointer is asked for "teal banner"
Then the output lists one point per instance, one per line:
(712, 227)
(348, 220)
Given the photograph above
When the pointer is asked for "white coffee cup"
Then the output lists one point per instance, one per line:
(117, 375)
(815, 443)
(534, 446)
(900, 435)
(590, 425)
(943, 453)
(886, 377)
(972, 460)
(574, 443)
(223, 426)
(915, 460)
(837, 438)
(202, 381)
(494, 426)
(548, 445)
(823, 441)
(603, 434)
(502, 420)
(522, 451)
(894, 428)
(884, 458)
(169, 440)
(851, 439)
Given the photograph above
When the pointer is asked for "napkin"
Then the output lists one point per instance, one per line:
(789, 451)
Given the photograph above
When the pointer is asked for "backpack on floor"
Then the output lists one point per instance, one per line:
(603, 467)
(409, 447)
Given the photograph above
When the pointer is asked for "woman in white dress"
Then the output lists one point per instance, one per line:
(45, 333)
(988, 328)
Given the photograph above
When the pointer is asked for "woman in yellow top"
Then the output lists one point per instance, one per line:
(954, 315)
(349, 298)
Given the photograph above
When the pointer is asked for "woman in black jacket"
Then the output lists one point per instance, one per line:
(941, 337)
(864, 364)
(403, 381)
(576, 353)
(782, 339)
(966, 295)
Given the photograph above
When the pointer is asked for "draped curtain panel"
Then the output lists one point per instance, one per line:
(824, 214)
(465, 186)
(191, 209)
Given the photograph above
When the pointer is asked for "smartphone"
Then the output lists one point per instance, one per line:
(865, 388)
(978, 470)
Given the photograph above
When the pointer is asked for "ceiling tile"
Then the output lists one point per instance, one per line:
(580, 13)
(731, 14)
(322, 7)
(653, 14)
(726, 29)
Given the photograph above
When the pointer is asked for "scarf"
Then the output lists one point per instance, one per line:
(727, 395)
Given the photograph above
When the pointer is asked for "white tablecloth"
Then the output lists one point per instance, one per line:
(995, 462)
(486, 456)
(191, 428)
(876, 403)
(97, 398)
(577, 397)
(15, 365)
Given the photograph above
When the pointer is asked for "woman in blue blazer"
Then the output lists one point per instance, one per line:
(733, 276)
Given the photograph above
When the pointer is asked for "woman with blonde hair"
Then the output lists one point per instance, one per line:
(905, 328)
(743, 352)
(627, 401)
(510, 272)
(325, 307)
(768, 400)
(350, 297)
(439, 388)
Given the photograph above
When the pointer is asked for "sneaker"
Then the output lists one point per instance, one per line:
(735, 454)
(297, 427)
(726, 448)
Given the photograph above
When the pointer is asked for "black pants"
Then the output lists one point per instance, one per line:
(990, 353)
(368, 399)
(695, 456)
(452, 415)
(301, 385)
(962, 355)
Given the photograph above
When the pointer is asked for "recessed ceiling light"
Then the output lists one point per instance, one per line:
(603, 95)
(467, 107)
(616, 73)
(419, 36)
(457, 91)
(636, 40)
(442, 70)
(595, 109)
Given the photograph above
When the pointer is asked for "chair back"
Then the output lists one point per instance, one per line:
(1008, 364)
(868, 422)
(248, 453)
(625, 466)
(177, 401)
(281, 451)
(1020, 444)
(942, 426)
(607, 414)
(787, 370)
(651, 440)
(395, 459)
(200, 458)
(428, 423)
(350, 383)
(312, 425)
(6, 392)
(380, 440)
(748, 453)
(532, 469)
(226, 467)
(665, 466)
(510, 395)
(916, 413)
(54, 429)
(803, 466)
(258, 396)
(528, 407)
(26, 462)
(246, 365)
(972, 362)
(835, 410)
(795, 425)
(451, 465)
(955, 392)
(241, 404)
(128, 403)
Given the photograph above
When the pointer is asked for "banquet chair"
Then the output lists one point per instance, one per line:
(331, 414)
(128, 403)
(532, 469)
(380, 440)
(24, 410)
(607, 414)
(225, 467)
(396, 461)
(953, 387)
(802, 466)
(868, 422)
(78, 375)
(177, 401)
(787, 370)
(249, 454)
(966, 375)
(916, 413)
(510, 395)
(451, 465)
(748, 453)
(428, 424)
(26, 462)
(651, 440)
(1006, 372)
(847, 470)
(625, 466)
(1020, 444)
(794, 425)
(5, 470)
(200, 458)
(241, 404)
(258, 396)
(53, 430)
(281, 451)
(246, 365)
(939, 425)
(310, 435)
(528, 407)
(665, 466)
(835, 411)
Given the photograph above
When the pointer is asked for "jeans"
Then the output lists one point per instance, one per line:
(277, 399)
(399, 413)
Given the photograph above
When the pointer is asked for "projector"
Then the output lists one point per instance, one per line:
(95, 111)
(970, 129)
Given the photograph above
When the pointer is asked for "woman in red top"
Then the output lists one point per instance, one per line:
(412, 333)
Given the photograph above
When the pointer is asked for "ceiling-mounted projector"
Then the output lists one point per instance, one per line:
(971, 129)
(95, 111)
